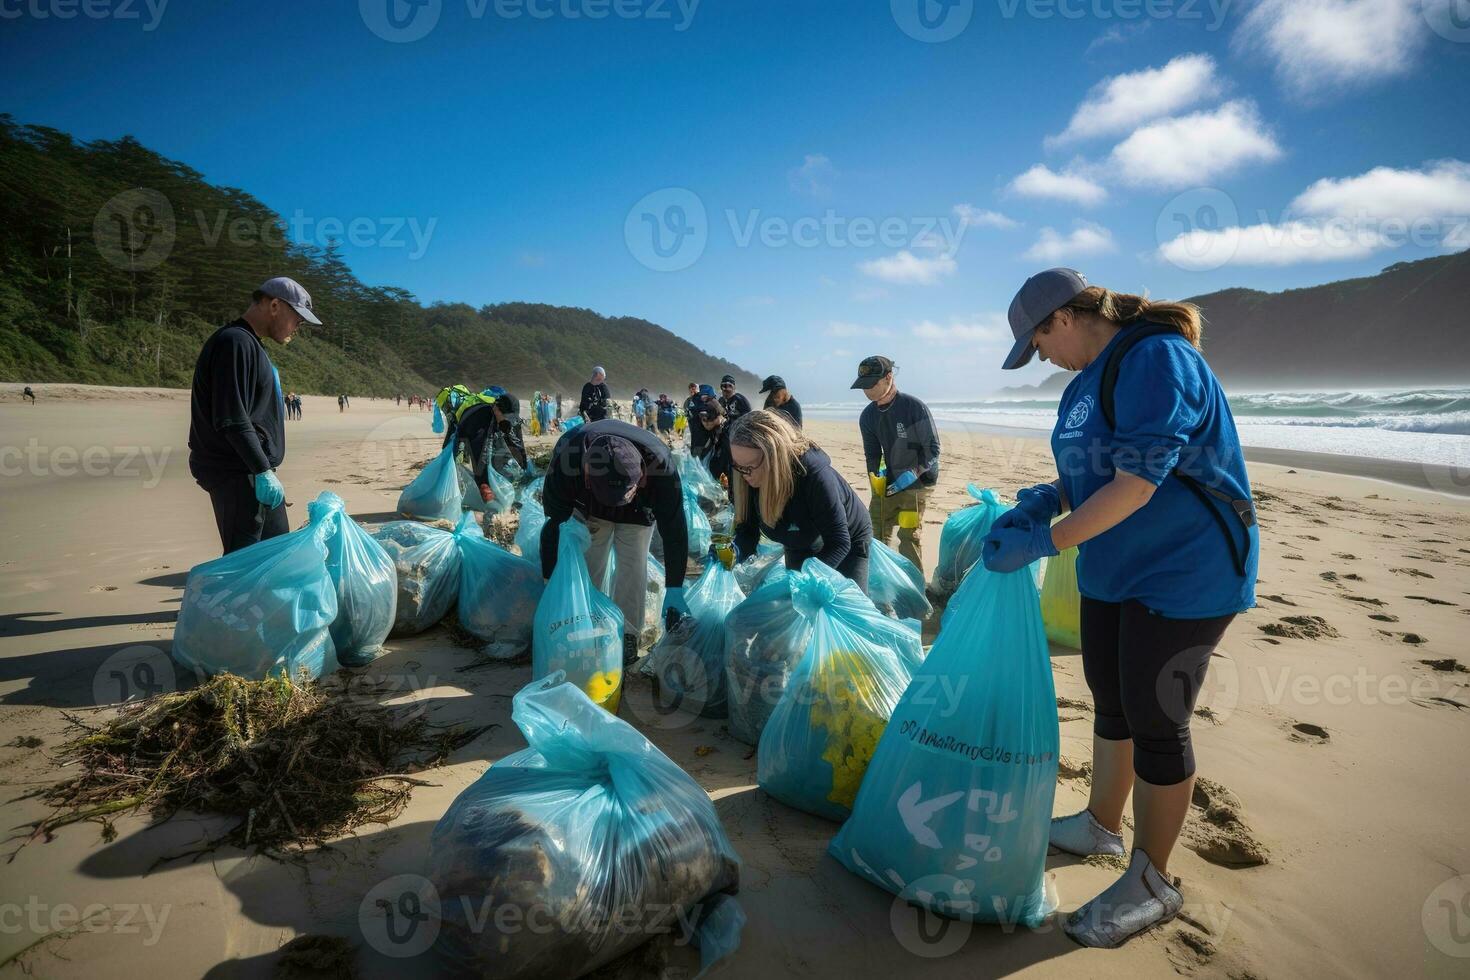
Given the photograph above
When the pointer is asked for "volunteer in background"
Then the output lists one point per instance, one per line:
(621, 481)
(785, 488)
(901, 448)
(237, 428)
(780, 399)
(446, 405)
(1162, 518)
(595, 396)
(696, 431)
(733, 402)
(710, 418)
(487, 433)
(28, 393)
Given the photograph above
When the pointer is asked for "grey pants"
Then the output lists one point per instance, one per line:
(629, 542)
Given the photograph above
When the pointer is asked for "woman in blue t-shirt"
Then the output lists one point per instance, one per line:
(1150, 467)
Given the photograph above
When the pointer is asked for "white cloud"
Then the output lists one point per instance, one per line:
(985, 330)
(1320, 46)
(978, 217)
(1439, 191)
(814, 176)
(906, 268)
(1287, 243)
(870, 294)
(1192, 150)
(840, 328)
(1118, 104)
(1086, 238)
(1042, 181)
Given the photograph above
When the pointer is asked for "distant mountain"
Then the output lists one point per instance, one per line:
(1409, 325)
(116, 263)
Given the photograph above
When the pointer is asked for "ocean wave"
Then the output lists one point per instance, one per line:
(1455, 423)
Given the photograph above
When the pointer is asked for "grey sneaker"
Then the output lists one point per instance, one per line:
(1138, 901)
(1081, 834)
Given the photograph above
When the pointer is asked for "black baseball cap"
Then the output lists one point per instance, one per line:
(872, 370)
(772, 383)
(613, 464)
(728, 379)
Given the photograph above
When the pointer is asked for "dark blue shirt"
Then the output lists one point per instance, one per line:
(1170, 555)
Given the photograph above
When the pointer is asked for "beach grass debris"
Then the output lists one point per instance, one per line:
(296, 763)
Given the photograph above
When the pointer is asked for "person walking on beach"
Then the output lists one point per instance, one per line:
(1150, 466)
(785, 488)
(620, 481)
(780, 399)
(237, 431)
(901, 449)
(733, 402)
(595, 396)
(28, 393)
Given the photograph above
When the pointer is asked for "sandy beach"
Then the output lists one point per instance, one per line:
(1334, 725)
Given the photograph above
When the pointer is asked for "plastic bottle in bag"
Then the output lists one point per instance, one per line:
(265, 609)
(815, 747)
(959, 541)
(435, 494)
(689, 662)
(578, 629)
(426, 563)
(956, 810)
(896, 585)
(590, 840)
(1061, 603)
(498, 592)
(366, 581)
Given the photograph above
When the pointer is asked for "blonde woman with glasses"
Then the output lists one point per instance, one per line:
(785, 488)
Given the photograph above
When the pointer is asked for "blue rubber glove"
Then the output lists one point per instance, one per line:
(1041, 502)
(675, 606)
(268, 489)
(1014, 544)
(905, 480)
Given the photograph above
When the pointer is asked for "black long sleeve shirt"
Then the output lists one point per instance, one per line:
(595, 399)
(477, 427)
(823, 519)
(903, 434)
(237, 421)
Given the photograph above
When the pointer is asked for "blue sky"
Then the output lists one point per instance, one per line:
(865, 186)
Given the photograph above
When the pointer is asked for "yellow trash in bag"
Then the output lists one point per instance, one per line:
(1061, 604)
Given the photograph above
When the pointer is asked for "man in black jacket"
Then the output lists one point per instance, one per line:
(595, 397)
(237, 429)
(620, 480)
(709, 418)
(733, 402)
(488, 433)
(898, 432)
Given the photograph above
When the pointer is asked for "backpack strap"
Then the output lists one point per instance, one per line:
(1244, 510)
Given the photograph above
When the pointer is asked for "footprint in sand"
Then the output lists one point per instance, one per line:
(1413, 638)
(1384, 617)
(1345, 555)
(1300, 628)
(1416, 573)
(1448, 665)
(103, 588)
(1216, 830)
(1431, 600)
(1308, 733)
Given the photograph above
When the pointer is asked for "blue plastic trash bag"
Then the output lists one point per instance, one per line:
(959, 542)
(577, 628)
(437, 424)
(698, 524)
(590, 833)
(528, 532)
(764, 638)
(367, 584)
(265, 609)
(568, 424)
(653, 597)
(426, 561)
(751, 572)
(816, 745)
(435, 494)
(896, 585)
(688, 664)
(498, 592)
(956, 810)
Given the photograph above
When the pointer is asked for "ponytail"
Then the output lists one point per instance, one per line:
(1124, 308)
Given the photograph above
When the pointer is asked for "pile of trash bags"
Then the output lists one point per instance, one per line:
(700, 532)
(896, 585)
(815, 746)
(688, 664)
(498, 593)
(1061, 603)
(426, 561)
(591, 831)
(959, 541)
(435, 494)
(577, 629)
(282, 606)
(956, 810)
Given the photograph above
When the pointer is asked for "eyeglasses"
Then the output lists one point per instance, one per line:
(747, 470)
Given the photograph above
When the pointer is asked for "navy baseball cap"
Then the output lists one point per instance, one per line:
(613, 464)
(772, 383)
(871, 371)
(1038, 298)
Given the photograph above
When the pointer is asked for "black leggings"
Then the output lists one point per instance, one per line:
(1145, 672)
(240, 518)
